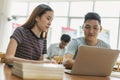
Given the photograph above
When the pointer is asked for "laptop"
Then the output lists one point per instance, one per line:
(94, 61)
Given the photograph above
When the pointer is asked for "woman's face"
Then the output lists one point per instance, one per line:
(44, 22)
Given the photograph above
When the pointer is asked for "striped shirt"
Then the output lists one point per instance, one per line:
(29, 45)
(74, 44)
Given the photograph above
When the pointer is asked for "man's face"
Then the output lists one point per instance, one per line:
(63, 44)
(91, 29)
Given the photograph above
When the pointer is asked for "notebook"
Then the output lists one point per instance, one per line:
(94, 61)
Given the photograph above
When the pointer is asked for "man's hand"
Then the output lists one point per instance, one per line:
(68, 63)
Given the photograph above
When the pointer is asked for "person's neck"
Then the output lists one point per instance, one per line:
(36, 31)
(91, 42)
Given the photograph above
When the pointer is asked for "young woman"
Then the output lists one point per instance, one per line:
(28, 42)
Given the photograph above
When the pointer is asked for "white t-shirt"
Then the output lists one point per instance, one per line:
(55, 50)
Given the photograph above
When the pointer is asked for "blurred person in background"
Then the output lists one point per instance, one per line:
(56, 51)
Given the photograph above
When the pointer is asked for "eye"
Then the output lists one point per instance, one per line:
(96, 28)
(87, 27)
(48, 18)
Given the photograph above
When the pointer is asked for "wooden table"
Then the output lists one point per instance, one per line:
(5, 74)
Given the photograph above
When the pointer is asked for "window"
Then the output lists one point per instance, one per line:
(71, 14)
(19, 8)
(108, 8)
(56, 27)
(111, 24)
(59, 22)
(60, 8)
(80, 8)
(77, 24)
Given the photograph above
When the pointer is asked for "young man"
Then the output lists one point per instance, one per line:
(91, 27)
(58, 49)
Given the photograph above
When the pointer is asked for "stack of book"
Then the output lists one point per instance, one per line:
(37, 71)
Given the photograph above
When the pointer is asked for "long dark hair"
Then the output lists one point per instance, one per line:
(38, 11)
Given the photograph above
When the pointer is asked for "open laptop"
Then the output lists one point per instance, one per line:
(94, 61)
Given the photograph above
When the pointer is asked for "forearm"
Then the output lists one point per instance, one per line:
(68, 61)
(10, 60)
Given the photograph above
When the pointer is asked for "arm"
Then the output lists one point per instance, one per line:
(42, 57)
(10, 53)
(68, 61)
(70, 52)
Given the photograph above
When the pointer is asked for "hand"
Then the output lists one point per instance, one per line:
(53, 61)
(68, 63)
(58, 59)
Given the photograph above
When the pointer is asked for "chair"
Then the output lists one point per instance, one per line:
(2, 57)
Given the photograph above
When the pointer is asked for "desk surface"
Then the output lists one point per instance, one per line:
(5, 74)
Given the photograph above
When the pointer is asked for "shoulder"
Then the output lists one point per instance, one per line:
(54, 44)
(104, 44)
(78, 40)
(19, 34)
(21, 29)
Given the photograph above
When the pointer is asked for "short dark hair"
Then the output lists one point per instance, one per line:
(92, 15)
(65, 38)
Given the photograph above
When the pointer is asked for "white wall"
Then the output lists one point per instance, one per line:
(4, 28)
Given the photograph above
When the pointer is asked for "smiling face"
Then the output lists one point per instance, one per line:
(43, 23)
(91, 29)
